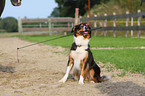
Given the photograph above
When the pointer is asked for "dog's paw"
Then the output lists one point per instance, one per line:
(63, 80)
(92, 82)
(81, 81)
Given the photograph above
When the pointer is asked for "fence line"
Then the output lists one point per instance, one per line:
(55, 25)
(139, 14)
(45, 26)
(105, 19)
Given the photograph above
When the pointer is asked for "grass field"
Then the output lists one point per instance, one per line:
(132, 60)
(98, 42)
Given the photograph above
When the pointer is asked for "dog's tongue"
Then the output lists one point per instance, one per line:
(85, 32)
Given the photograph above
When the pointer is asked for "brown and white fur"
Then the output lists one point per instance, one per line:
(81, 59)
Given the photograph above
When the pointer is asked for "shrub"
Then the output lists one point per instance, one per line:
(10, 24)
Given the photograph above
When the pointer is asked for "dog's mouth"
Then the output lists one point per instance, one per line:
(16, 2)
(84, 33)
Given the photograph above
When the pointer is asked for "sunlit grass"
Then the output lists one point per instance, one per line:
(98, 42)
(128, 59)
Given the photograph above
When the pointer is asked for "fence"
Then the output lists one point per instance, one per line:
(114, 26)
(45, 26)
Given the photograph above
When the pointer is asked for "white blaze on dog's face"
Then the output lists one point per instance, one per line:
(82, 34)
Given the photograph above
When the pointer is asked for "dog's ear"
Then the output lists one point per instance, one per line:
(73, 29)
(88, 28)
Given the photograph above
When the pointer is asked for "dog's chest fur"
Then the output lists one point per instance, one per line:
(79, 54)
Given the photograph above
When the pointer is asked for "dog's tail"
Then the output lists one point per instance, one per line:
(105, 78)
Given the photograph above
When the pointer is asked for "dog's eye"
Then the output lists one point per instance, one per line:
(81, 27)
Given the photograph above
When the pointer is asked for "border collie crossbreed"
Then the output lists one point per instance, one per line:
(81, 58)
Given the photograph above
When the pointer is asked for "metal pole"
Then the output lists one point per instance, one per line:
(89, 7)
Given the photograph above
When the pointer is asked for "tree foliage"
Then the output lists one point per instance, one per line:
(10, 24)
(66, 8)
(131, 5)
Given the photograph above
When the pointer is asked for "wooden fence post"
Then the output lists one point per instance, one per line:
(20, 25)
(132, 26)
(40, 25)
(127, 20)
(139, 18)
(72, 24)
(95, 25)
(114, 25)
(105, 25)
(76, 16)
(68, 24)
(50, 31)
(80, 20)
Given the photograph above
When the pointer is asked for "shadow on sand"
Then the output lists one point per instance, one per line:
(6, 69)
(121, 89)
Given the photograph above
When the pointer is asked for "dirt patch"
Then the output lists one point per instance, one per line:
(41, 67)
(6, 35)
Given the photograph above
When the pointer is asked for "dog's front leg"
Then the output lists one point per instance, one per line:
(83, 73)
(68, 69)
(84, 70)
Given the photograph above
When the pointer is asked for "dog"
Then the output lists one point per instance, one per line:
(81, 59)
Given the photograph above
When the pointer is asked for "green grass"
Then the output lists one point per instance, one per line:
(116, 42)
(132, 60)
(64, 42)
(98, 42)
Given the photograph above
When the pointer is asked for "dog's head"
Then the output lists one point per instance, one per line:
(82, 29)
(82, 34)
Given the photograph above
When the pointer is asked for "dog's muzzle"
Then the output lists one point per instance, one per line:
(84, 33)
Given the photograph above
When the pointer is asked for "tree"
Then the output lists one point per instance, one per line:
(10, 24)
(131, 5)
(55, 12)
(66, 8)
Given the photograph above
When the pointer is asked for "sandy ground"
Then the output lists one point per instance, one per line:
(41, 67)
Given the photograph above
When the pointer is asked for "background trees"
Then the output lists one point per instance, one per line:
(10, 24)
(66, 8)
(131, 5)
